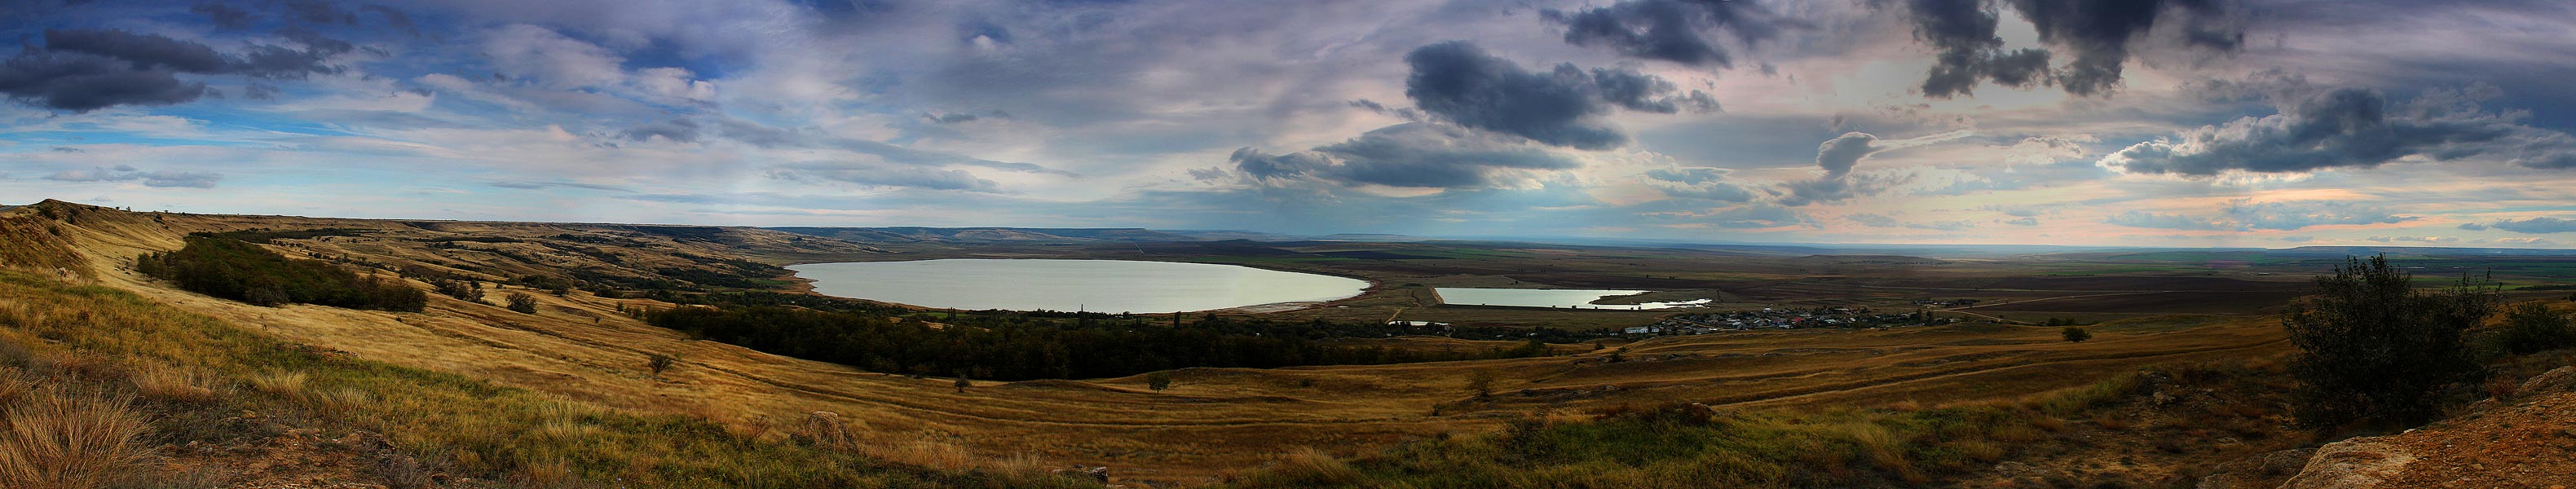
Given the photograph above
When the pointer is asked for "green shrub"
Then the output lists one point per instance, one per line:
(2374, 349)
(2531, 327)
(238, 270)
(523, 303)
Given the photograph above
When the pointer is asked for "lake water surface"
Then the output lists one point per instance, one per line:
(1571, 298)
(1067, 285)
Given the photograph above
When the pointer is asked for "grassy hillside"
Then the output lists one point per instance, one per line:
(155, 390)
(1207, 425)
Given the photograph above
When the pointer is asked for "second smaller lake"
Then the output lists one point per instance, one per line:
(1558, 298)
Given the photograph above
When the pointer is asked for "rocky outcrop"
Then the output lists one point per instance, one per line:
(2358, 463)
(2559, 380)
(2524, 440)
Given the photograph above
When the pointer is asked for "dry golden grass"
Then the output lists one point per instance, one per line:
(53, 438)
(289, 385)
(473, 427)
(179, 384)
(1214, 420)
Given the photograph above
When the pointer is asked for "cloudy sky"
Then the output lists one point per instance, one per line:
(2267, 123)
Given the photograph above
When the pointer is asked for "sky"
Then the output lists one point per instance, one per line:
(2236, 123)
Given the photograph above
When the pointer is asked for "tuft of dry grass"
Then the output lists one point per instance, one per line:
(928, 449)
(62, 440)
(1308, 467)
(176, 384)
(289, 385)
(13, 384)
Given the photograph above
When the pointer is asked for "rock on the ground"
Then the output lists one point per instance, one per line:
(2561, 379)
(2359, 463)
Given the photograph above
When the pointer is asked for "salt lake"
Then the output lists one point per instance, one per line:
(1067, 285)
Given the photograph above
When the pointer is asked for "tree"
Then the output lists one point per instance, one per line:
(660, 362)
(1158, 380)
(1481, 383)
(2374, 349)
(523, 303)
(2531, 327)
(2075, 334)
(963, 383)
(464, 290)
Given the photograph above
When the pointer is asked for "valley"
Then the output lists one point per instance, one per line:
(1198, 426)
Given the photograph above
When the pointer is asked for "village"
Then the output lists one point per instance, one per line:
(1776, 318)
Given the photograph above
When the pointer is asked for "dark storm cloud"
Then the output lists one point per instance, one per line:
(1966, 50)
(2536, 225)
(1838, 155)
(83, 82)
(1460, 83)
(2096, 36)
(674, 130)
(224, 16)
(2101, 33)
(2276, 216)
(1647, 93)
(82, 69)
(2353, 128)
(1416, 155)
(1668, 30)
(144, 51)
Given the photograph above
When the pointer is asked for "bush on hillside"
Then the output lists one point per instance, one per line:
(463, 290)
(2374, 349)
(523, 303)
(238, 270)
(2530, 327)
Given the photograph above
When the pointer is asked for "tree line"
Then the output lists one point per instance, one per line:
(1021, 350)
(238, 270)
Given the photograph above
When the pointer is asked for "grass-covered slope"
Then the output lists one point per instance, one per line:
(146, 392)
